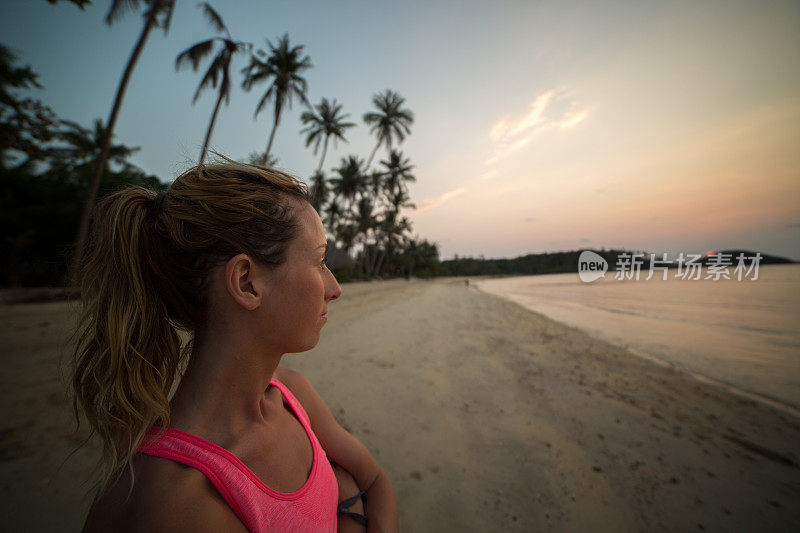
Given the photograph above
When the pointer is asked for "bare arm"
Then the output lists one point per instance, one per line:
(347, 451)
(347, 489)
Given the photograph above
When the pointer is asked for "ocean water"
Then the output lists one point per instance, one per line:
(741, 334)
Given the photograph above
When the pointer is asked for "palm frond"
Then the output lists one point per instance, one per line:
(120, 8)
(216, 68)
(225, 84)
(264, 100)
(194, 54)
(371, 117)
(169, 8)
(213, 18)
(256, 71)
(310, 116)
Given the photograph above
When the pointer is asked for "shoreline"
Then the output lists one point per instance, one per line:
(761, 399)
(774, 403)
(734, 335)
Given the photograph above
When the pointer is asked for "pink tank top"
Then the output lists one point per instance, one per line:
(311, 508)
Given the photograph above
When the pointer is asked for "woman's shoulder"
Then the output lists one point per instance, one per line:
(312, 403)
(299, 386)
(287, 376)
(166, 496)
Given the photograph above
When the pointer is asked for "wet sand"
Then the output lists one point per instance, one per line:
(486, 417)
(740, 334)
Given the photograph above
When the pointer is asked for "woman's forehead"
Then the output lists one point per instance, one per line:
(313, 231)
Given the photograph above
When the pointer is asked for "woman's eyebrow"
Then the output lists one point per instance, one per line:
(322, 246)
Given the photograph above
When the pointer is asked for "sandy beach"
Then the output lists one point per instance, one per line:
(485, 416)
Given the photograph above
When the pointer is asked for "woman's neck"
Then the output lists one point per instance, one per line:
(223, 388)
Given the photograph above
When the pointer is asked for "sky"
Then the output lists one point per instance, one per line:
(659, 126)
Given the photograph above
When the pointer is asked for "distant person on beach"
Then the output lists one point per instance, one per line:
(234, 255)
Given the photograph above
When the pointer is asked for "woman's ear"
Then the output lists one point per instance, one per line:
(243, 280)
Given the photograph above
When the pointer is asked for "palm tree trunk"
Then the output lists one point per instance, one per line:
(272, 135)
(211, 126)
(269, 144)
(387, 253)
(374, 263)
(324, 151)
(366, 260)
(384, 253)
(369, 161)
(379, 264)
(83, 228)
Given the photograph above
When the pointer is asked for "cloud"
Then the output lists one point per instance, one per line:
(551, 110)
(584, 239)
(574, 120)
(432, 203)
(793, 225)
(506, 128)
(488, 175)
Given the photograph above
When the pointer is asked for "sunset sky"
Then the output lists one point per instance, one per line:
(540, 126)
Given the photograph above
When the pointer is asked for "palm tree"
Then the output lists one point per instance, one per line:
(220, 66)
(374, 182)
(365, 216)
(282, 66)
(420, 253)
(333, 214)
(399, 199)
(157, 15)
(349, 181)
(365, 220)
(390, 122)
(84, 147)
(319, 190)
(324, 123)
(393, 231)
(398, 171)
(346, 233)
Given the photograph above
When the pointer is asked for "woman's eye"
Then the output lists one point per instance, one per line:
(324, 261)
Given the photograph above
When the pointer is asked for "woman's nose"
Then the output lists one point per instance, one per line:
(334, 291)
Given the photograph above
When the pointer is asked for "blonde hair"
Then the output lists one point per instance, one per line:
(145, 277)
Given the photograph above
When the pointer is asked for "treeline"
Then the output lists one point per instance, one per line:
(567, 262)
(547, 263)
(53, 170)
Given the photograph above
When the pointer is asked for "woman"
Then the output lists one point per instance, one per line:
(235, 255)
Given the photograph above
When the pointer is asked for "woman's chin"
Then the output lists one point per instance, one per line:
(306, 345)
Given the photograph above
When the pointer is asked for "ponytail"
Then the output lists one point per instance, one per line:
(128, 353)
